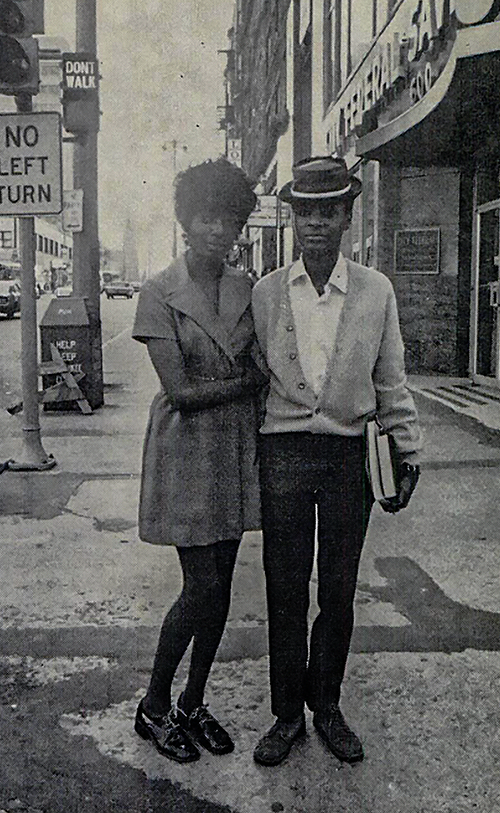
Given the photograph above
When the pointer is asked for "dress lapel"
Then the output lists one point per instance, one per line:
(234, 298)
(186, 297)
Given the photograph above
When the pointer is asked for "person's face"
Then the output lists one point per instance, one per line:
(212, 234)
(319, 225)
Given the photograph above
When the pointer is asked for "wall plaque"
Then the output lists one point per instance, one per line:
(416, 251)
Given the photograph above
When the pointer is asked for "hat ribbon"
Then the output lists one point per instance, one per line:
(321, 194)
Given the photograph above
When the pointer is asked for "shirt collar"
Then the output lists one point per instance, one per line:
(337, 279)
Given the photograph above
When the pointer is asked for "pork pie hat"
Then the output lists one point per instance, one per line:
(320, 177)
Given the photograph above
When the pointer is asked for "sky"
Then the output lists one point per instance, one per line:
(162, 80)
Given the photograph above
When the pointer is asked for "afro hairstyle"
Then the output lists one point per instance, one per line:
(216, 187)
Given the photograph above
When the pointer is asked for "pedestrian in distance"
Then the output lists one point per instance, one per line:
(199, 488)
(329, 330)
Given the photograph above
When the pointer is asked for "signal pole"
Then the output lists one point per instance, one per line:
(33, 456)
(86, 260)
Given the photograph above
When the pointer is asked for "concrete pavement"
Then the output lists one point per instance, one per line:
(82, 600)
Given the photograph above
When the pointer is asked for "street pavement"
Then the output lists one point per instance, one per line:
(82, 600)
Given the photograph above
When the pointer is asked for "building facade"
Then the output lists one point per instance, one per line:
(407, 92)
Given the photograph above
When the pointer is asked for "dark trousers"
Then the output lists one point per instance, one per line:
(311, 483)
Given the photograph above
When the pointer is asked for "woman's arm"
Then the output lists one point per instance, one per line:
(190, 394)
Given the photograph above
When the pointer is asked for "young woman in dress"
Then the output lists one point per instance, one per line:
(199, 480)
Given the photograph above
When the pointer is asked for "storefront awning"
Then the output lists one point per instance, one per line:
(458, 119)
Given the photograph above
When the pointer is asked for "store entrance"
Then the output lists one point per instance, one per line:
(486, 296)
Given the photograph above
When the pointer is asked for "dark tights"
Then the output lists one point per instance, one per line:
(200, 614)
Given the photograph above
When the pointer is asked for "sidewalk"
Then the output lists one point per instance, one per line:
(82, 600)
(479, 402)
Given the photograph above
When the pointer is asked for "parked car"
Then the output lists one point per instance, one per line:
(136, 285)
(118, 288)
(10, 297)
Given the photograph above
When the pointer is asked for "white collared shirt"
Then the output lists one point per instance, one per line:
(316, 318)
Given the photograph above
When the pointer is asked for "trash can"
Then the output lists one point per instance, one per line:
(66, 326)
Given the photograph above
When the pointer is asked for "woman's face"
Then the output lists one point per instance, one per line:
(212, 234)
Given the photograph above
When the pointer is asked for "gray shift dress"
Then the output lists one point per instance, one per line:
(199, 475)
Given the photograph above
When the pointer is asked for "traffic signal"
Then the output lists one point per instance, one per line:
(19, 20)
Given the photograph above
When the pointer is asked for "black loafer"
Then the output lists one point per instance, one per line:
(168, 737)
(206, 730)
(337, 735)
(275, 746)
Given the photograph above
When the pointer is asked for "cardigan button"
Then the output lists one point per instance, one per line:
(293, 356)
(289, 328)
(301, 385)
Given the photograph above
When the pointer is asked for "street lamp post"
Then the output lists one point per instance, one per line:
(175, 146)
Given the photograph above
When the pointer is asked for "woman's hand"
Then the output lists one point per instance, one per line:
(254, 380)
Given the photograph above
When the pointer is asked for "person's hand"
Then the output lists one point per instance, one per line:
(408, 480)
(254, 380)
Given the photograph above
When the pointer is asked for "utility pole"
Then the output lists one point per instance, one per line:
(33, 456)
(19, 77)
(174, 219)
(86, 260)
(175, 145)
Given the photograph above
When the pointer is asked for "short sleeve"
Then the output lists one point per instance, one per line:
(154, 319)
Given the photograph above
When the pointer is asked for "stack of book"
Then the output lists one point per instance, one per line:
(379, 461)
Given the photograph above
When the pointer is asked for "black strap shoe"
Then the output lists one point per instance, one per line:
(168, 737)
(337, 735)
(275, 746)
(206, 730)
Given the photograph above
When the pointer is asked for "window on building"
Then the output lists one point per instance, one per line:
(40, 242)
(305, 18)
(391, 6)
(6, 239)
(362, 33)
(383, 10)
(347, 36)
(70, 253)
(51, 246)
(332, 40)
(45, 245)
(343, 42)
(56, 248)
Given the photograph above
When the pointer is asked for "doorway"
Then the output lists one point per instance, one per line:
(485, 344)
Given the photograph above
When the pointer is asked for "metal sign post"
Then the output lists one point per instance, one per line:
(31, 183)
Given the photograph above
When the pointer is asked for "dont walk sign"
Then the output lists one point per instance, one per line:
(80, 75)
(80, 85)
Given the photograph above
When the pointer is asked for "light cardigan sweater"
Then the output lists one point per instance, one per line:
(365, 375)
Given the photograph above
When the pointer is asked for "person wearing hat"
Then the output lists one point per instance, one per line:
(330, 332)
